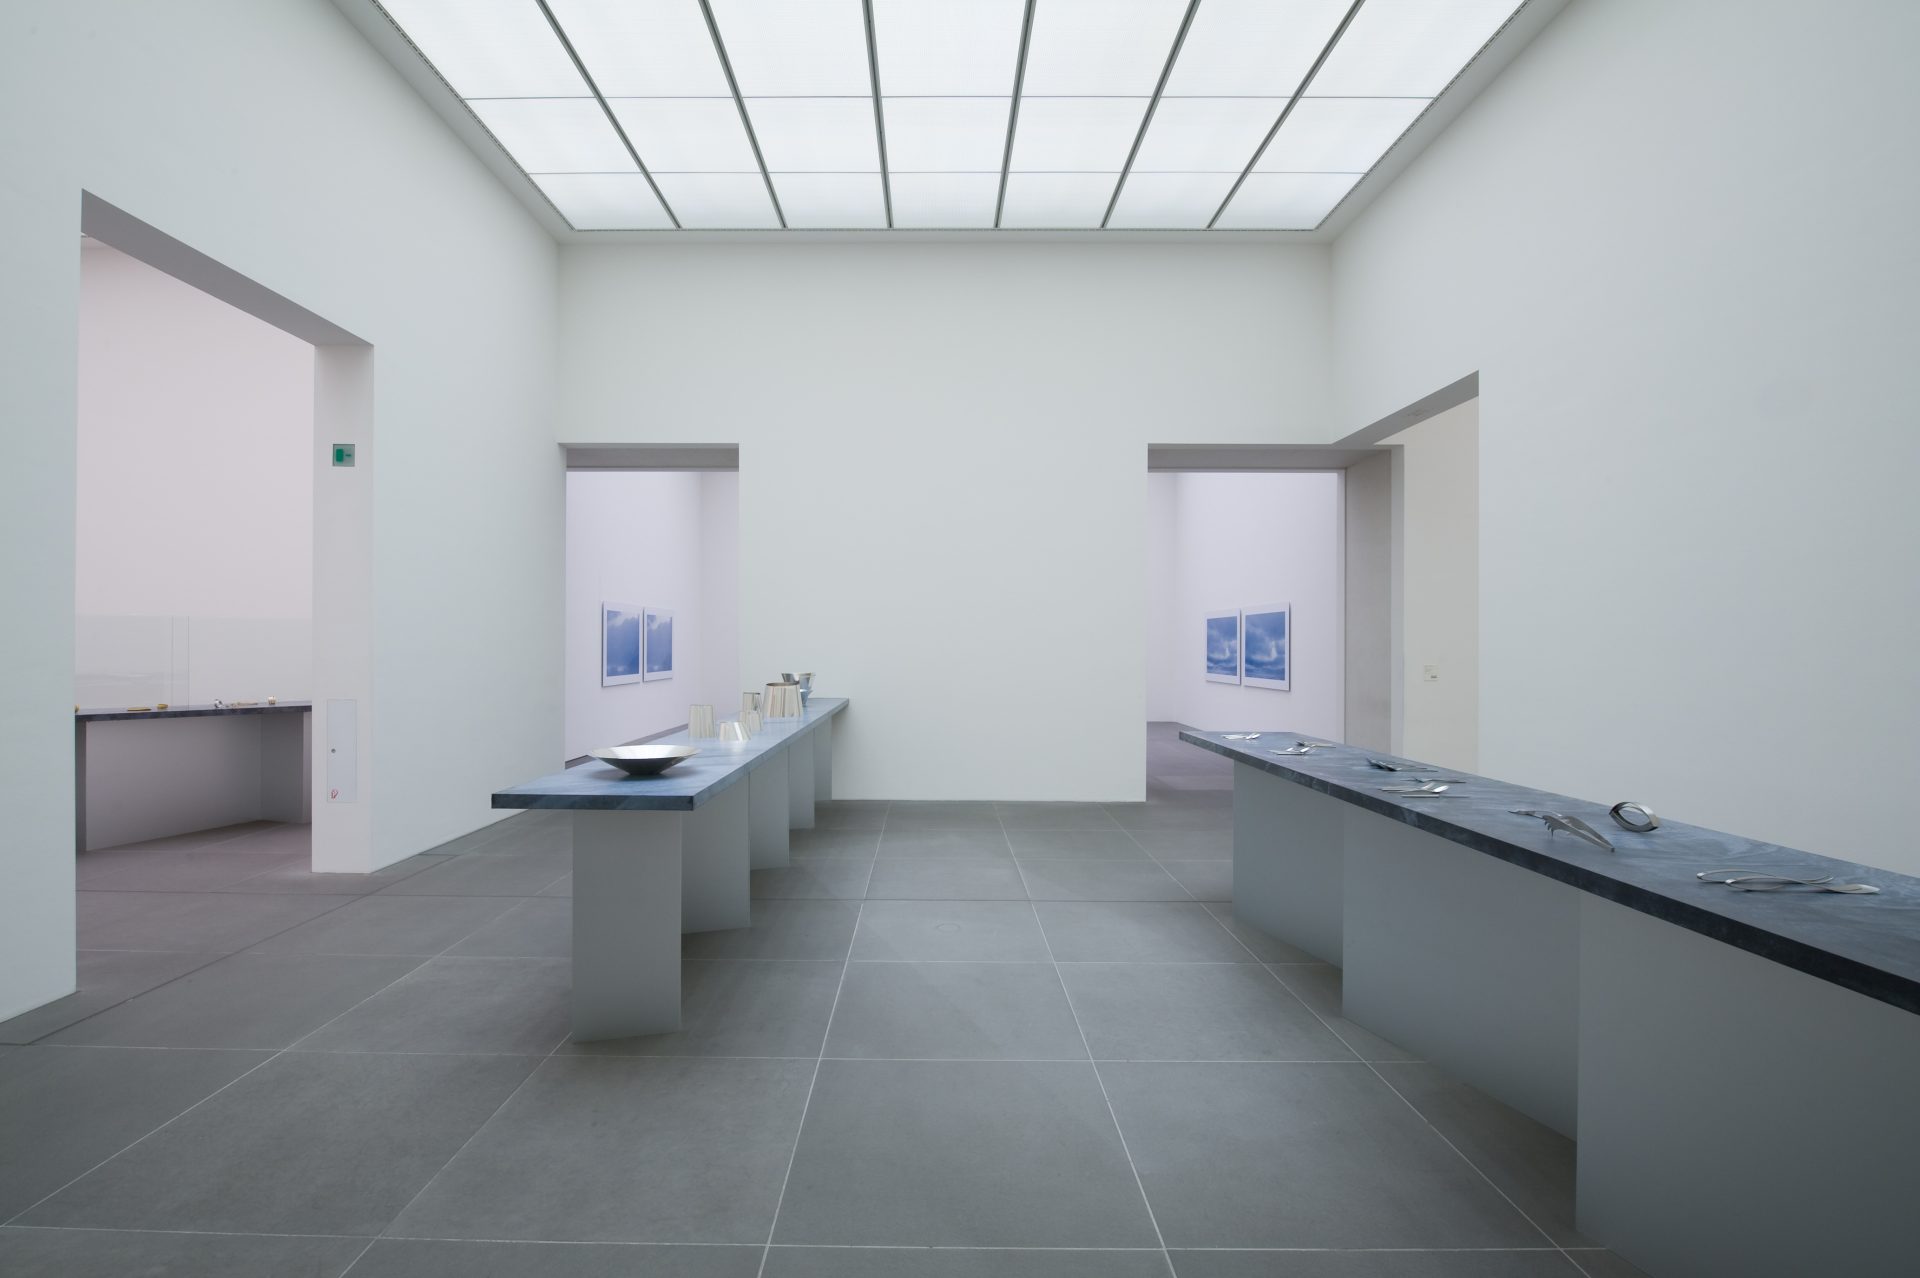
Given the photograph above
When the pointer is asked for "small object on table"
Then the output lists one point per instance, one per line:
(273, 701)
(733, 731)
(782, 701)
(1241, 736)
(1637, 817)
(139, 709)
(1387, 766)
(749, 702)
(1298, 747)
(1560, 822)
(159, 705)
(700, 722)
(644, 760)
(751, 721)
(1746, 879)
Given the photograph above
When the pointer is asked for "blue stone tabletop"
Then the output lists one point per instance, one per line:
(1868, 944)
(594, 786)
(191, 712)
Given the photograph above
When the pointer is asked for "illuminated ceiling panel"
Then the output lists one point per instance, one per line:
(1081, 115)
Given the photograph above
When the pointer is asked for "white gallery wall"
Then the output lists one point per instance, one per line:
(653, 539)
(943, 485)
(194, 495)
(272, 138)
(1235, 541)
(1436, 589)
(1689, 299)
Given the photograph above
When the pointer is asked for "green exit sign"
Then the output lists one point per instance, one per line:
(343, 454)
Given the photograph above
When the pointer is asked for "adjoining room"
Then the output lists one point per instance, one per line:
(958, 639)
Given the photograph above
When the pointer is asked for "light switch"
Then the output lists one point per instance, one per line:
(1430, 673)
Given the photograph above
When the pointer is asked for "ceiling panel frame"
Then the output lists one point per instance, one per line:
(593, 88)
(879, 114)
(740, 103)
(1013, 111)
(1346, 20)
(1153, 104)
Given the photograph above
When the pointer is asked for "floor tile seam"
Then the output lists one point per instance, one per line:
(203, 967)
(458, 896)
(40, 1041)
(1163, 869)
(124, 891)
(1113, 1116)
(238, 885)
(1373, 1068)
(247, 1073)
(399, 1051)
(471, 1137)
(295, 1044)
(800, 1129)
(864, 889)
(191, 1233)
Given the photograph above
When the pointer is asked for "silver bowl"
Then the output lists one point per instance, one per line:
(645, 760)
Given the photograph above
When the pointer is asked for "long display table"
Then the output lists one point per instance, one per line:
(657, 856)
(1741, 1070)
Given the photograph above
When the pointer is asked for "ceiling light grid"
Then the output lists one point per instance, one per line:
(948, 114)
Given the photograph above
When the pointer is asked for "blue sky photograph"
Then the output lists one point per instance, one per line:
(1223, 645)
(659, 642)
(1266, 645)
(622, 648)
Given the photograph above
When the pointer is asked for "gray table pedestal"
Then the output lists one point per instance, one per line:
(769, 805)
(715, 882)
(1288, 872)
(1466, 961)
(800, 781)
(626, 923)
(1739, 1119)
(823, 761)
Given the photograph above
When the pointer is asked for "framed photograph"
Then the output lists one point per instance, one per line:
(1223, 646)
(657, 654)
(619, 644)
(1267, 645)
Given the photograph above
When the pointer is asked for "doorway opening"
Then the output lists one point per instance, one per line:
(1326, 593)
(652, 590)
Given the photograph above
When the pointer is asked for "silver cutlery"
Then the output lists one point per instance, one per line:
(1240, 736)
(1425, 787)
(1560, 822)
(1745, 879)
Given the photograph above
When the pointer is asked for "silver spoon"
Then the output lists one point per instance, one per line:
(1425, 787)
(1743, 874)
(1742, 879)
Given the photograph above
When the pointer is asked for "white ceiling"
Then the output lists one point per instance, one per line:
(1103, 116)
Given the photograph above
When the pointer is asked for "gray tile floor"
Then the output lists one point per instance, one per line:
(959, 1040)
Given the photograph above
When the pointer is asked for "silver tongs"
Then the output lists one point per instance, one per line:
(1560, 822)
(1435, 787)
(1743, 878)
(1300, 747)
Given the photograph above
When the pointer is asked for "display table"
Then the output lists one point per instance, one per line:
(657, 856)
(1741, 1070)
(147, 783)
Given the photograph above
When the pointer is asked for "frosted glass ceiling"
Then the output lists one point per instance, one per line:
(962, 114)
